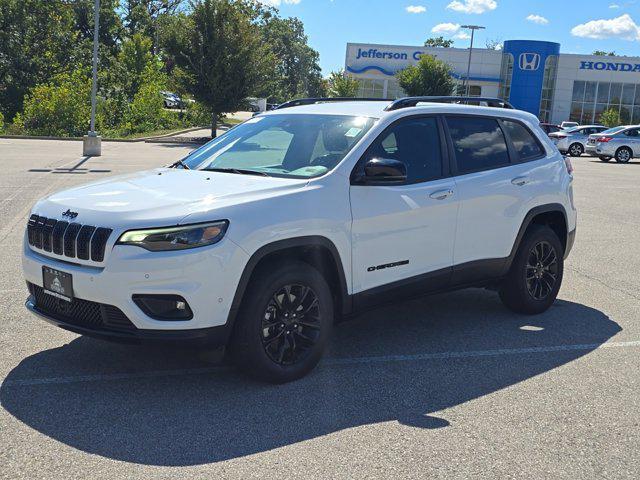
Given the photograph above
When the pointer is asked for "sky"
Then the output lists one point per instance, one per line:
(580, 26)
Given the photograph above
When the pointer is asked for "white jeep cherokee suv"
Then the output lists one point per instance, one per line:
(260, 239)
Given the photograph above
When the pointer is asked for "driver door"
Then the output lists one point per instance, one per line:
(404, 232)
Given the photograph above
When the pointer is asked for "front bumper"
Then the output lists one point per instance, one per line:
(205, 277)
(209, 337)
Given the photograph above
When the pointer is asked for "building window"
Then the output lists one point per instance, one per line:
(548, 87)
(590, 99)
(474, 90)
(370, 88)
(506, 75)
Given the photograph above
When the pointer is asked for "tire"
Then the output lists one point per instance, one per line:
(576, 149)
(535, 277)
(272, 342)
(604, 159)
(623, 155)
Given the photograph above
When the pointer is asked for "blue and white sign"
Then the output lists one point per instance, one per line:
(610, 66)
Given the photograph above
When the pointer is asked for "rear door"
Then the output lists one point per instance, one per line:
(631, 138)
(498, 168)
(405, 231)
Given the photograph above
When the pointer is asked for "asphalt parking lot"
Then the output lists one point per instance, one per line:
(449, 386)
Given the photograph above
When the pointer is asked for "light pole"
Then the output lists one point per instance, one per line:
(473, 28)
(92, 142)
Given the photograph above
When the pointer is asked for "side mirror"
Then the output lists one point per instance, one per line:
(382, 171)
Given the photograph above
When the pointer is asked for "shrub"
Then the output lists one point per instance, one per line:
(429, 76)
(59, 108)
(610, 118)
(1, 123)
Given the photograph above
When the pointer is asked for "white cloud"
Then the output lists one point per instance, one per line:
(614, 5)
(416, 9)
(446, 28)
(473, 6)
(537, 19)
(622, 27)
(462, 36)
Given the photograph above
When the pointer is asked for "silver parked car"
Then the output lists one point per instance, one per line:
(574, 140)
(591, 142)
(622, 145)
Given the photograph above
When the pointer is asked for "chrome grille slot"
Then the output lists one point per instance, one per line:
(72, 240)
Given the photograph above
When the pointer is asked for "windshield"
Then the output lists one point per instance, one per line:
(614, 130)
(287, 145)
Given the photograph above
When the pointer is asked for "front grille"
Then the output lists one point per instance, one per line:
(81, 313)
(69, 239)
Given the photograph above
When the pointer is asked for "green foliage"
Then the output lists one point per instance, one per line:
(220, 52)
(58, 108)
(1, 123)
(342, 85)
(610, 118)
(429, 76)
(438, 42)
(604, 54)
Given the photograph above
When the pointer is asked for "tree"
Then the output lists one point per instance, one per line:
(603, 53)
(494, 44)
(342, 85)
(145, 17)
(37, 41)
(429, 76)
(219, 50)
(438, 42)
(296, 71)
(610, 118)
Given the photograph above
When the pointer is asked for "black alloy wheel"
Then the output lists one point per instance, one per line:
(291, 324)
(623, 155)
(576, 150)
(541, 270)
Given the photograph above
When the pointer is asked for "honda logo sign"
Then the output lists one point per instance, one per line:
(529, 61)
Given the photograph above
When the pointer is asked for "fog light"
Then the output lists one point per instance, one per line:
(164, 307)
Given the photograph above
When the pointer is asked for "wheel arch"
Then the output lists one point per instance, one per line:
(318, 251)
(553, 215)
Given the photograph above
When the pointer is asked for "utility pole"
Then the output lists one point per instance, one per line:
(92, 142)
(473, 28)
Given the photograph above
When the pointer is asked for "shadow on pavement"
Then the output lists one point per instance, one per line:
(203, 418)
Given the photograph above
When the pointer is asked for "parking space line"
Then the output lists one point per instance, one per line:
(327, 363)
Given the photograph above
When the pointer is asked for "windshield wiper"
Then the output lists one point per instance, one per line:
(182, 164)
(238, 171)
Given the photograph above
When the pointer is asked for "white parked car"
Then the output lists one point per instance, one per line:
(262, 238)
(574, 140)
(622, 144)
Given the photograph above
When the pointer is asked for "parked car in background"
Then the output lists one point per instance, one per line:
(592, 140)
(550, 128)
(172, 100)
(567, 125)
(574, 140)
(622, 145)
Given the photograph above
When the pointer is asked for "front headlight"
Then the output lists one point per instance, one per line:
(176, 238)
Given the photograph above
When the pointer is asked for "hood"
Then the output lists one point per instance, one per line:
(160, 197)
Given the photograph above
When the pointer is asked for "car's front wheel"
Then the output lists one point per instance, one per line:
(576, 149)
(284, 323)
(534, 279)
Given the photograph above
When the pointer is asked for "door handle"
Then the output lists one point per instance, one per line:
(441, 194)
(520, 181)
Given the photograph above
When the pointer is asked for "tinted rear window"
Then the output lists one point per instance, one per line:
(523, 141)
(478, 143)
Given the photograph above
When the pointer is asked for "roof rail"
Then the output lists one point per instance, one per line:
(413, 101)
(311, 101)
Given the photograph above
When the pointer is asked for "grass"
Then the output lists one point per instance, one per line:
(152, 133)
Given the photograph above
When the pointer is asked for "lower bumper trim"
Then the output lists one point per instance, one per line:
(209, 337)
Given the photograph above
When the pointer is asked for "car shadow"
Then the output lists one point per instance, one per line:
(404, 363)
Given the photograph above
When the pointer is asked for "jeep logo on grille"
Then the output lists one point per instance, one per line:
(529, 61)
(69, 214)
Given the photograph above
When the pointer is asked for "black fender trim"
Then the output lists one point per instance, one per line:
(550, 207)
(280, 245)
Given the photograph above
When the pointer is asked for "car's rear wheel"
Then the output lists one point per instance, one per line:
(604, 159)
(623, 155)
(535, 277)
(576, 149)
(284, 323)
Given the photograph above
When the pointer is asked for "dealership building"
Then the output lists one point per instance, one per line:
(532, 75)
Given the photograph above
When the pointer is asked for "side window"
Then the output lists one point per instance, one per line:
(523, 141)
(416, 143)
(478, 143)
(631, 133)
